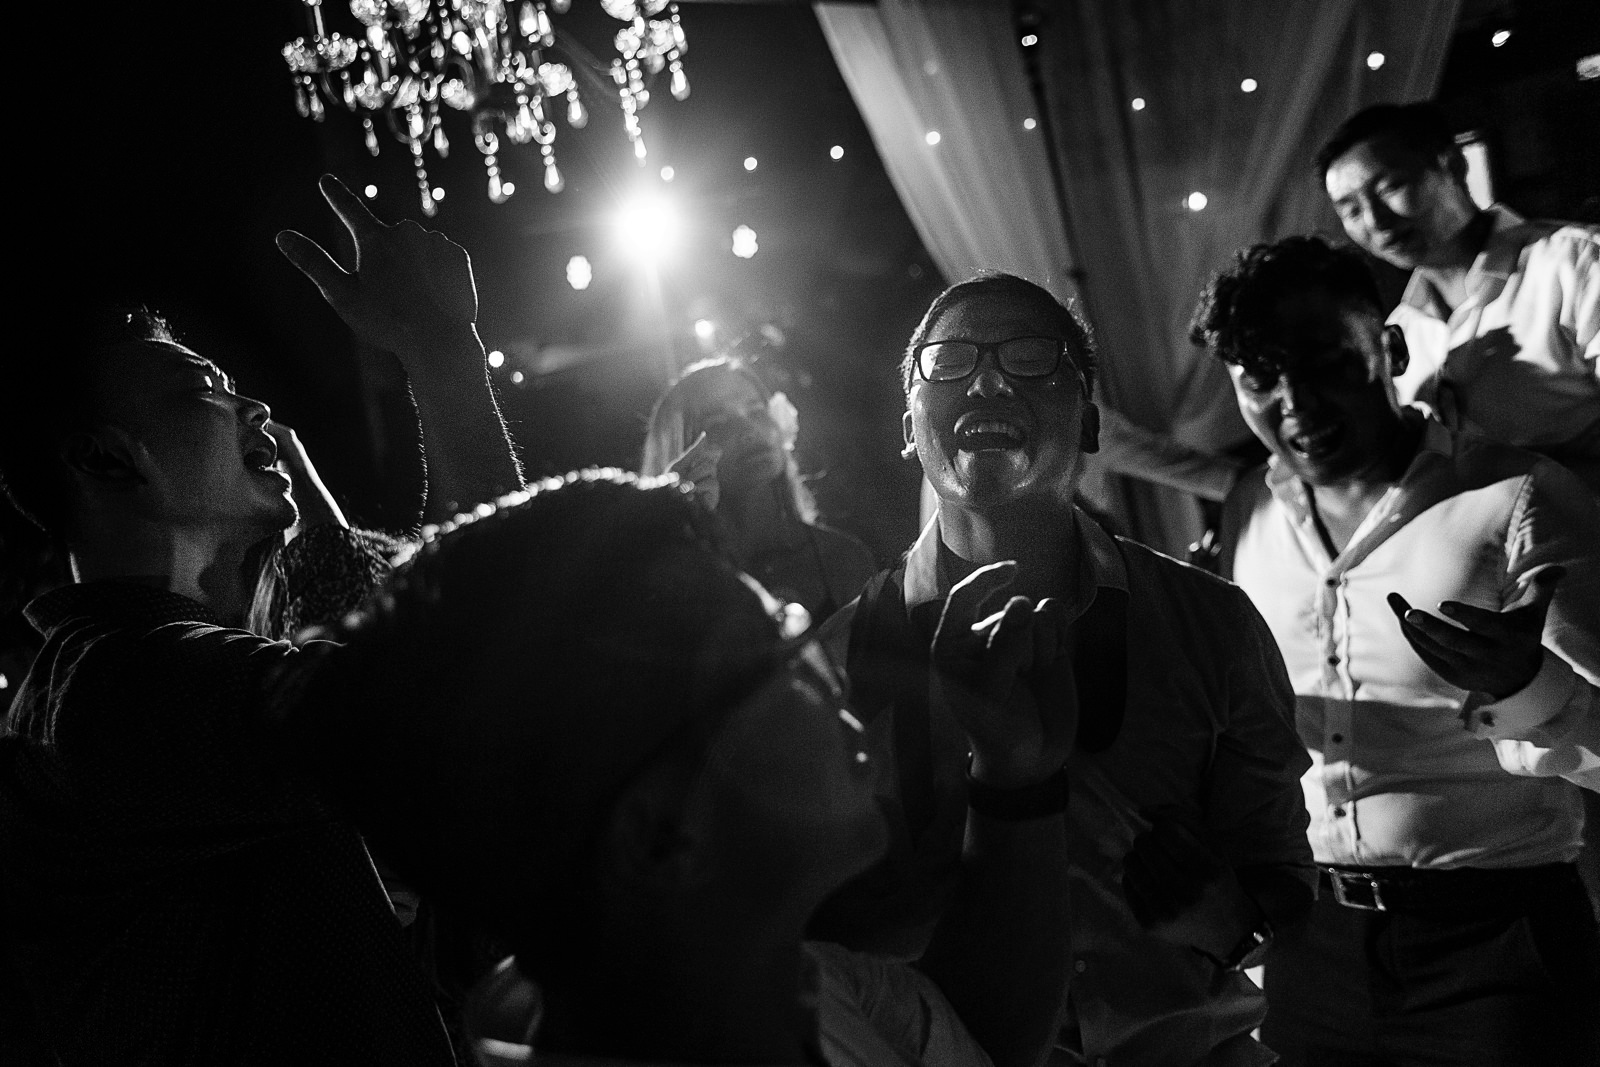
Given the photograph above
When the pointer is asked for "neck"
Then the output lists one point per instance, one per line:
(1402, 442)
(208, 566)
(719, 991)
(1041, 536)
(1450, 265)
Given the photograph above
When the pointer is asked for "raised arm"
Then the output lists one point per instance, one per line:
(1000, 952)
(411, 292)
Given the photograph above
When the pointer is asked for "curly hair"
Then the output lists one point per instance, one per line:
(1236, 311)
(1059, 318)
(494, 700)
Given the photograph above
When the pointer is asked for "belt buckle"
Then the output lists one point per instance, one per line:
(1349, 888)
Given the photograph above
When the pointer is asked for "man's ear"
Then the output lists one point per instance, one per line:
(908, 431)
(1089, 437)
(1394, 346)
(104, 456)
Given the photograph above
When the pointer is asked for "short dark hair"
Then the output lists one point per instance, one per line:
(1236, 310)
(1422, 126)
(46, 398)
(1063, 318)
(493, 702)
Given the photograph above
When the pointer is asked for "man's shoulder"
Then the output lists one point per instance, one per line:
(1544, 240)
(1148, 568)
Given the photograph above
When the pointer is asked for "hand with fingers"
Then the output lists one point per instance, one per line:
(1007, 678)
(315, 504)
(408, 284)
(698, 467)
(1182, 892)
(1493, 652)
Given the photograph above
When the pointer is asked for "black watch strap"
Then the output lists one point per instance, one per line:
(1037, 801)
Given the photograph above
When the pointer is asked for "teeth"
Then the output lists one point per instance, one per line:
(994, 426)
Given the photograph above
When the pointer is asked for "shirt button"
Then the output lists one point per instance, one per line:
(1486, 718)
(1080, 966)
(1331, 583)
(1333, 661)
(1337, 738)
(1338, 813)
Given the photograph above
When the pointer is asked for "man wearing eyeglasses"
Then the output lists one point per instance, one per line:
(1186, 830)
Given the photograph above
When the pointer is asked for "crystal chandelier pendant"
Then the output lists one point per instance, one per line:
(500, 61)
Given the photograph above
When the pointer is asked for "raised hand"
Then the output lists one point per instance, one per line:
(1493, 652)
(1182, 892)
(698, 467)
(316, 505)
(407, 285)
(1007, 679)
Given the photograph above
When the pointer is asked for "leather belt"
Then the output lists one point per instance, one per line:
(1437, 889)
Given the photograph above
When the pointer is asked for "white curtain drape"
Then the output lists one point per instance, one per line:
(984, 195)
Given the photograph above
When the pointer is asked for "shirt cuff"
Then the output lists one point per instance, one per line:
(1520, 714)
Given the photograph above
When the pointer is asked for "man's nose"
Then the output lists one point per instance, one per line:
(254, 411)
(1295, 397)
(988, 379)
(1375, 214)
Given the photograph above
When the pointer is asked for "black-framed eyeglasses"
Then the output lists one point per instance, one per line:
(1018, 357)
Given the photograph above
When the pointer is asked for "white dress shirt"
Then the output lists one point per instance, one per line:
(1519, 359)
(1408, 770)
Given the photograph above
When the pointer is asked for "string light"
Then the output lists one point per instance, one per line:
(579, 272)
(704, 329)
(1030, 40)
(497, 358)
(836, 152)
(371, 191)
(516, 377)
(667, 174)
(1500, 37)
(932, 137)
(1028, 124)
(1248, 85)
(749, 162)
(508, 187)
(1197, 201)
(1374, 60)
(438, 193)
(1138, 103)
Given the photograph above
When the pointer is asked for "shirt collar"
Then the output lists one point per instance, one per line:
(1292, 493)
(1495, 263)
(118, 602)
(927, 578)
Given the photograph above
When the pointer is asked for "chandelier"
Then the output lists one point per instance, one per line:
(489, 58)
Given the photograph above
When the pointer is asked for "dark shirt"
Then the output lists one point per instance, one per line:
(170, 895)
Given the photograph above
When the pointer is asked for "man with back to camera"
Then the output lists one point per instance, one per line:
(574, 719)
(1452, 926)
(172, 895)
(1502, 314)
(1187, 829)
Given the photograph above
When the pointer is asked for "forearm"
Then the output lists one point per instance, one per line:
(468, 453)
(1000, 954)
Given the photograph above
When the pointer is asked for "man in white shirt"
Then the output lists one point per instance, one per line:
(1502, 315)
(1452, 926)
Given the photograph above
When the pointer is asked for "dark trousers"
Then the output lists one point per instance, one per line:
(1480, 970)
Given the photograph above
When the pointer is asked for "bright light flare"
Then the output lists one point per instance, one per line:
(836, 152)
(1138, 103)
(1197, 201)
(1029, 124)
(1248, 85)
(750, 162)
(932, 137)
(579, 272)
(371, 191)
(1500, 37)
(1375, 60)
(497, 358)
(648, 228)
(744, 242)
(1030, 40)
(704, 329)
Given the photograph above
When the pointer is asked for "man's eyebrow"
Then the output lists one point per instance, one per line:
(206, 367)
